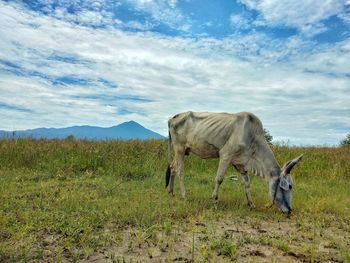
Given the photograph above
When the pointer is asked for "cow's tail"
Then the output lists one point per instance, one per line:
(168, 170)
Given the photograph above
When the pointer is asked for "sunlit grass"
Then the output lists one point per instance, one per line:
(66, 198)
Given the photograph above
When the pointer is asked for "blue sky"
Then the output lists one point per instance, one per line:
(103, 62)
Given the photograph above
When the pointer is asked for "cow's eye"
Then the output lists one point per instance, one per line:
(290, 187)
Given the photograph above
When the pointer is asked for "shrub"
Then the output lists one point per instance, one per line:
(346, 141)
(268, 136)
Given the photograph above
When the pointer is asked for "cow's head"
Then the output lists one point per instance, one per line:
(281, 187)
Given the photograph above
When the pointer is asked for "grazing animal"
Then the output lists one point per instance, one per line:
(236, 139)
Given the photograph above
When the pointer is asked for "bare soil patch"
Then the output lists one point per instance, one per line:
(232, 239)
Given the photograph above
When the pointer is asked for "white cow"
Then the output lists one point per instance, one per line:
(236, 139)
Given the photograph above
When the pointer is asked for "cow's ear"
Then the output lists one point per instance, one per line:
(284, 184)
(287, 167)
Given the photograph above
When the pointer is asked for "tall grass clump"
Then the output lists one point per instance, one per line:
(126, 159)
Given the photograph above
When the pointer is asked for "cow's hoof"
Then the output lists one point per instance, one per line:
(251, 206)
(264, 208)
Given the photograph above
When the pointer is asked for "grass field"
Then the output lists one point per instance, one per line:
(67, 200)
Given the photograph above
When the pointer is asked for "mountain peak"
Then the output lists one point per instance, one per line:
(128, 124)
(131, 123)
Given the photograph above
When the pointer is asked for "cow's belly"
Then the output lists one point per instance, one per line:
(203, 149)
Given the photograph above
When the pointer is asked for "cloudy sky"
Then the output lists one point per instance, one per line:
(102, 62)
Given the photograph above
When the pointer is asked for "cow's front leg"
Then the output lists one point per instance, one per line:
(246, 184)
(223, 164)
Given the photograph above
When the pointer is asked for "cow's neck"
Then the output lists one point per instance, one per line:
(269, 165)
(272, 169)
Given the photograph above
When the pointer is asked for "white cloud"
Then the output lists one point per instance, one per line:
(307, 16)
(85, 17)
(240, 21)
(163, 11)
(300, 96)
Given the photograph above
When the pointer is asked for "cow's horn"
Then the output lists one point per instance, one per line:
(292, 163)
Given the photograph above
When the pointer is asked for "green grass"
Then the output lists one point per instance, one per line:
(67, 199)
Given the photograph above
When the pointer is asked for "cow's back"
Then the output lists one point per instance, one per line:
(206, 133)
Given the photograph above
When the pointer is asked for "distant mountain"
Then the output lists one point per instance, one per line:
(124, 131)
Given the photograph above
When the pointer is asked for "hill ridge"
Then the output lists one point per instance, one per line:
(124, 131)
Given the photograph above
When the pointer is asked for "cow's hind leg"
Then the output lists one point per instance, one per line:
(181, 172)
(223, 164)
(172, 177)
(246, 184)
(179, 167)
